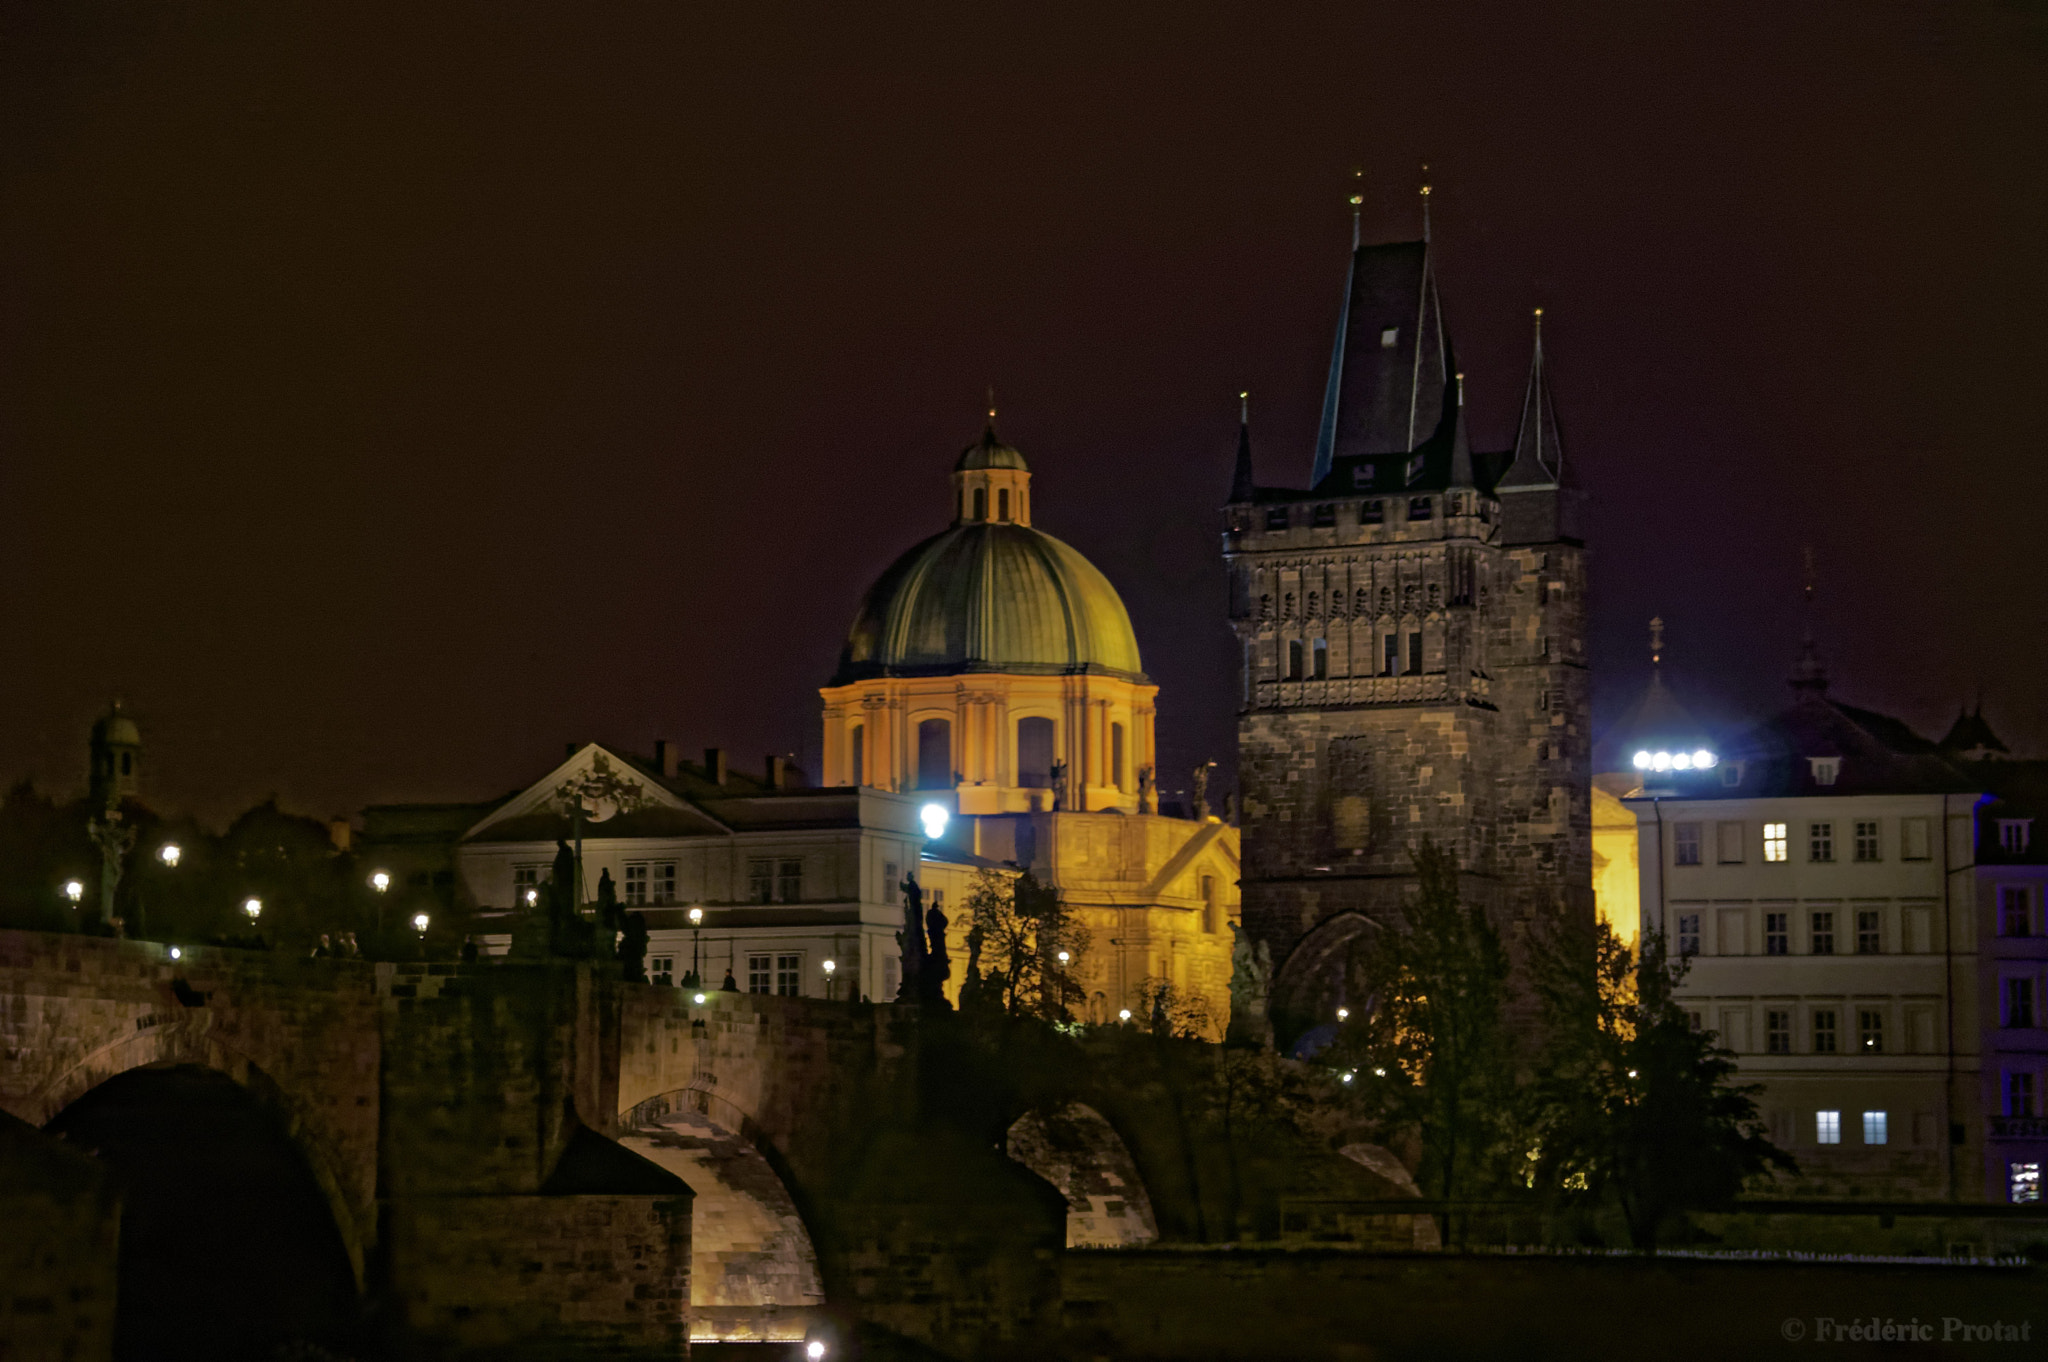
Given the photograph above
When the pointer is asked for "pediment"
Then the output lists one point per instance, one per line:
(617, 797)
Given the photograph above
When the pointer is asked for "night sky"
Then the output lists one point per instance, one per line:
(392, 393)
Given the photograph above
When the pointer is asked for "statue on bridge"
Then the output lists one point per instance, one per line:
(1251, 985)
(937, 968)
(910, 942)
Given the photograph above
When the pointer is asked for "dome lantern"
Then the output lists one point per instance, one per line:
(991, 481)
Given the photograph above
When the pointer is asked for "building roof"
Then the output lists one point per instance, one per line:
(1390, 386)
(1871, 753)
(990, 597)
(1970, 734)
(990, 452)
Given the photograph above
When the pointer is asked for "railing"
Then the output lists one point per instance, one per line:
(2017, 1127)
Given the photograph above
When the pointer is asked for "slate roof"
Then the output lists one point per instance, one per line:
(1878, 755)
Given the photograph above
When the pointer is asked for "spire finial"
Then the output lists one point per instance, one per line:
(1461, 390)
(1425, 201)
(1809, 673)
(1357, 203)
(991, 406)
(1244, 408)
(1807, 552)
(1656, 640)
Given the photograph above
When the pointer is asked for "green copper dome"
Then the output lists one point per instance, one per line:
(990, 597)
(990, 452)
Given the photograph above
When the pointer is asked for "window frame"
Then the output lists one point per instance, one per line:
(1876, 1128)
(1777, 1031)
(1777, 933)
(1824, 1029)
(1827, 1127)
(1820, 842)
(1777, 843)
(1820, 931)
(1685, 844)
(1867, 839)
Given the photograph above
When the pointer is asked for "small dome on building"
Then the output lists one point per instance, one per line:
(991, 597)
(990, 452)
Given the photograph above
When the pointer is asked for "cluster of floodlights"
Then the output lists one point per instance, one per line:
(1701, 760)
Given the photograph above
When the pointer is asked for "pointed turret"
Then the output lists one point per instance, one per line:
(1242, 488)
(1809, 677)
(1539, 452)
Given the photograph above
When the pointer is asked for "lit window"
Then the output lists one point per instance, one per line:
(1874, 1131)
(1774, 841)
(1870, 1030)
(1823, 937)
(1688, 933)
(1820, 842)
(760, 974)
(1827, 1127)
(2014, 915)
(1777, 934)
(1825, 769)
(2024, 1181)
(636, 885)
(2019, 1002)
(1685, 844)
(1778, 1033)
(789, 975)
(1824, 1031)
(2014, 834)
(1866, 841)
(1390, 337)
(1869, 936)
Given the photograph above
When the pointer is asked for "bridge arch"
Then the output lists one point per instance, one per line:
(753, 1269)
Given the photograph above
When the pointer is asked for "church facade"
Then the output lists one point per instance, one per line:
(992, 670)
(1412, 631)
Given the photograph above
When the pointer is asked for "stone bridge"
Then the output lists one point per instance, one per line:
(472, 1131)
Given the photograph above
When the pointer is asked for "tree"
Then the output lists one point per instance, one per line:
(1631, 1104)
(1022, 928)
(1437, 1056)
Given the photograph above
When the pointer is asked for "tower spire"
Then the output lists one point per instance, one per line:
(1357, 204)
(1242, 488)
(1539, 453)
(1425, 202)
(1809, 673)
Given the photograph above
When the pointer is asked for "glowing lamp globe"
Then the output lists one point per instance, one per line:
(169, 853)
(934, 818)
(74, 890)
(253, 907)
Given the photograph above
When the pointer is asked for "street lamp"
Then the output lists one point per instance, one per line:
(532, 897)
(1343, 1014)
(1124, 1015)
(253, 907)
(831, 973)
(815, 1350)
(380, 881)
(169, 853)
(75, 891)
(696, 916)
(419, 923)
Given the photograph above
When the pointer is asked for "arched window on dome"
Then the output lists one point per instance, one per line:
(935, 755)
(1002, 503)
(857, 767)
(1034, 753)
(981, 503)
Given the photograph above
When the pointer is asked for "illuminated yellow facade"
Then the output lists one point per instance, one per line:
(1617, 886)
(993, 669)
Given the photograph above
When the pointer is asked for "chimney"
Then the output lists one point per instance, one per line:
(714, 764)
(778, 772)
(666, 758)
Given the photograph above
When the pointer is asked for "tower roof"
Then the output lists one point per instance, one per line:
(990, 452)
(1969, 734)
(1390, 385)
(1242, 488)
(1538, 459)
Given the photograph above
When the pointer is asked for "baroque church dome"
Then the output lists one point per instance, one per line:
(991, 594)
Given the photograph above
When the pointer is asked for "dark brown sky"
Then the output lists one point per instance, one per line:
(390, 393)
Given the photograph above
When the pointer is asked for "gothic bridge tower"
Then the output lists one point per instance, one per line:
(1412, 628)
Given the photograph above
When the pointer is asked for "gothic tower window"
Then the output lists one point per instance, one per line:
(1415, 653)
(1314, 604)
(1265, 608)
(1321, 655)
(1294, 659)
(1287, 607)
(1392, 647)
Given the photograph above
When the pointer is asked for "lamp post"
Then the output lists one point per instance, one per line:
(380, 885)
(252, 907)
(831, 978)
(74, 890)
(696, 979)
(170, 853)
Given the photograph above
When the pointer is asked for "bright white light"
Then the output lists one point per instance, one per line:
(176, 953)
(1064, 957)
(699, 999)
(169, 853)
(814, 1350)
(1348, 1075)
(1343, 1014)
(1642, 761)
(1631, 1073)
(696, 917)
(1381, 1073)
(532, 897)
(1704, 759)
(253, 907)
(419, 922)
(831, 965)
(381, 881)
(1682, 762)
(1661, 762)
(1124, 1015)
(74, 890)
(934, 816)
